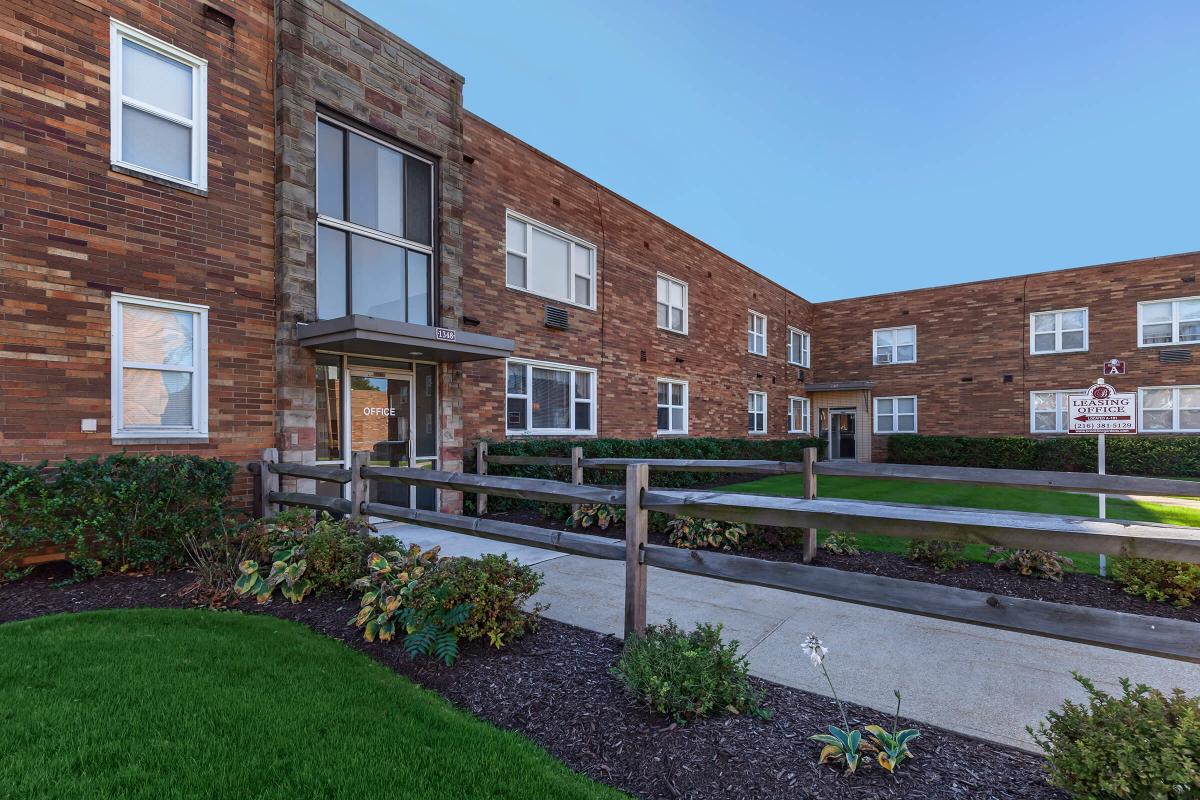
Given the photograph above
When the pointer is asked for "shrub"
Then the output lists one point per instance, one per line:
(132, 512)
(23, 522)
(602, 515)
(691, 533)
(1143, 744)
(495, 587)
(687, 675)
(937, 553)
(216, 561)
(842, 544)
(1032, 563)
(1162, 581)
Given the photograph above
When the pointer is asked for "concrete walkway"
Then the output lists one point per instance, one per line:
(967, 678)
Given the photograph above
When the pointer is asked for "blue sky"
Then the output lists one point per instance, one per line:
(848, 148)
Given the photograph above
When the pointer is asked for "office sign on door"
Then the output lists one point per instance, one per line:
(1102, 409)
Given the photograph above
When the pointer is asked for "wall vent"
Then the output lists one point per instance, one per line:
(557, 318)
(1174, 356)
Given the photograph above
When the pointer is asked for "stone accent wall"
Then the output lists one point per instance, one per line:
(73, 230)
(332, 58)
(620, 338)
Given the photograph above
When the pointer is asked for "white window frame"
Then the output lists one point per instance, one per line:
(662, 276)
(751, 331)
(531, 223)
(529, 364)
(1175, 409)
(657, 405)
(1061, 408)
(803, 360)
(894, 348)
(751, 410)
(804, 415)
(199, 370)
(118, 32)
(895, 414)
(1058, 332)
(1175, 341)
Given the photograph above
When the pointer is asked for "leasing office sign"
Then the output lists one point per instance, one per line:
(1102, 409)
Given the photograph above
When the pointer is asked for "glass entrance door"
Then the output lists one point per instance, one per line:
(381, 422)
(841, 434)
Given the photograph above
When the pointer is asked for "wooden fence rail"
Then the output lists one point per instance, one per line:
(1157, 636)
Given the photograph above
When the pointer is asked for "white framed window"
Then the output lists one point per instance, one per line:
(1058, 331)
(896, 414)
(895, 345)
(798, 415)
(672, 406)
(549, 263)
(159, 369)
(1170, 408)
(757, 334)
(671, 308)
(758, 412)
(1048, 410)
(1169, 322)
(798, 347)
(546, 398)
(158, 114)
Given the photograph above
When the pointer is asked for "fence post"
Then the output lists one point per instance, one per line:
(637, 524)
(576, 471)
(268, 482)
(480, 469)
(358, 485)
(810, 493)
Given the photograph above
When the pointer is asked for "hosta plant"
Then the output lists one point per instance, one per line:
(1032, 563)
(288, 566)
(602, 515)
(841, 744)
(893, 745)
(692, 533)
(841, 544)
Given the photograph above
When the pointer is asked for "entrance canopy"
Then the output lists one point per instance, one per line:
(357, 334)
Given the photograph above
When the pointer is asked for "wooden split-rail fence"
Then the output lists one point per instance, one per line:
(1158, 636)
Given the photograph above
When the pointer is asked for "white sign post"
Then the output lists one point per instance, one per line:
(1099, 411)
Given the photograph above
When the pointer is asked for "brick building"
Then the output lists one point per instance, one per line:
(236, 226)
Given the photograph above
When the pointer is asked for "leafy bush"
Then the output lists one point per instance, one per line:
(699, 447)
(132, 512)
(937, 553)
(687, 675)
(691, 533)
(1143, 744)
(1166, 456)
(842, 544)
(1032, 563)
(23, 522)
(1162, 581)
(495, 587)
(602, 515)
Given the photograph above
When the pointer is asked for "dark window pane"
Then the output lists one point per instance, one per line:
(418, 197)
(375, 185)
(378, 270)
(516, 413)
(664, 418)
(330, 165)
(426, 391)
(418, 288)
(583, 416)
(331, 273)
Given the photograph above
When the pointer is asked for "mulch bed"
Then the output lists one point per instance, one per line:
(1075, 589)
(554, 686)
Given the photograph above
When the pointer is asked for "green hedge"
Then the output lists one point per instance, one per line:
(682, 447)
(119, 513)
(1160, 456)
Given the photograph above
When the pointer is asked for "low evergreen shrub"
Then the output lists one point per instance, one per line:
(1172, 582)
(23, 522)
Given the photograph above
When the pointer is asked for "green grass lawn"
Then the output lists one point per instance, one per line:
(991, 497)
(156, 703)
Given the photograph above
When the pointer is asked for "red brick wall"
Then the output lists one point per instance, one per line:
(633, 245)
(73, 231)
(981, 331)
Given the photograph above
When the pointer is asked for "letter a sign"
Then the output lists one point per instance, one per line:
(1102, 409)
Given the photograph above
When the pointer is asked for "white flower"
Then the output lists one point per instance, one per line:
(815, 650)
